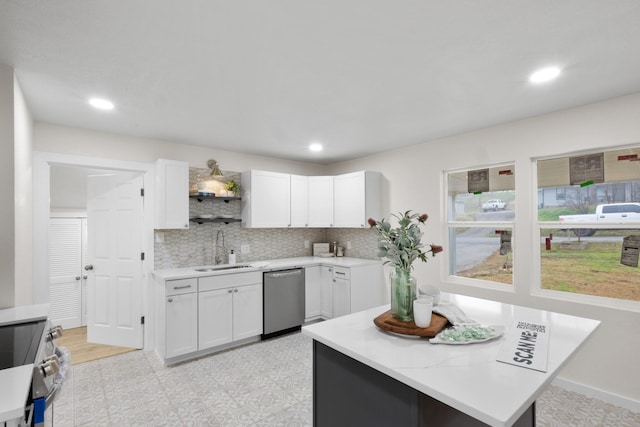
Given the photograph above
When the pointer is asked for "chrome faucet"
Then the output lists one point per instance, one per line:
(219, 250)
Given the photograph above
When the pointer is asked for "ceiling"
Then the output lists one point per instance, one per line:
(270, 77)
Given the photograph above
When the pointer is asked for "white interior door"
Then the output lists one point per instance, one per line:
(65, 267)
(114, 246)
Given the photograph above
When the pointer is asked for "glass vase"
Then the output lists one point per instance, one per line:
(403, 292)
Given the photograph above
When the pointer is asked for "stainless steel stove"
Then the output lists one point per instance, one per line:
(33, 343)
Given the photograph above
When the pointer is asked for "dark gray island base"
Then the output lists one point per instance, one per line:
(349, 393)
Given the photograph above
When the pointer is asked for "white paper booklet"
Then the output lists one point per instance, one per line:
(526, 345)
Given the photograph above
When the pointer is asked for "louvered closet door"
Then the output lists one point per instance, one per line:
(65, 266)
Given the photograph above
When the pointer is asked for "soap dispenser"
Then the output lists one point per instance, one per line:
(232, 257)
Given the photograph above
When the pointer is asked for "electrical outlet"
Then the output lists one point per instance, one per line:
(245, 249)
(306, 244)
(348, 244)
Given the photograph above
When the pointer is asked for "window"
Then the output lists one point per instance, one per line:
(590, 238)
(480, 224)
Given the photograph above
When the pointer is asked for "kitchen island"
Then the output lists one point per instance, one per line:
(365, 376)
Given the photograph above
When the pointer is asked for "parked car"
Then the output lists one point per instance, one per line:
(614, 213)
(494, 205)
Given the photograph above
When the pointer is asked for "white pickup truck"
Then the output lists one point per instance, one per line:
(614, 213)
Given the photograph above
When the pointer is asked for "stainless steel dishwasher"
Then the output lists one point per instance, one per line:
(283, 299)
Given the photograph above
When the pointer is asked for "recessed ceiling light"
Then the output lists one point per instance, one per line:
(315, 147)
(544, 75)
(101, 103)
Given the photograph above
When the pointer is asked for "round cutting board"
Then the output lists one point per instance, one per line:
(389, 323)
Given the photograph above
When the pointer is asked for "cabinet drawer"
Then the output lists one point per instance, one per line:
(341, 273)
(180, 286)
(222, 281)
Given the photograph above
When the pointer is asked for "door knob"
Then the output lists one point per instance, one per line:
(88, 267)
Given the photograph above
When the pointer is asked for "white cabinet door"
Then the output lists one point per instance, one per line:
(266, 199)
(320, 201)
(215, 318)
(181, 323)
(341, 297)
(312, 292)
(172, 194)
(326, 280)
(368, 287)
(65, 271)
(299, 201)
(247, 311)
(357, 197)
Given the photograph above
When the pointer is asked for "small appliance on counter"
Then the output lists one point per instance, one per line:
(322, 250)
(339, 251)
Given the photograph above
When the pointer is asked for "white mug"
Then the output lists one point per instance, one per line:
(422, 308)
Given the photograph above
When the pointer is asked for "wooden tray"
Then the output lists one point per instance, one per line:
(387, 322)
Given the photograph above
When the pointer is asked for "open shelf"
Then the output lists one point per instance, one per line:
(225, 220)
(201, 197)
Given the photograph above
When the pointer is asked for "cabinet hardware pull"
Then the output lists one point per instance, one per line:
(235, 290)
(229, 291)
(182, 287)
(77, 277)
(170, 299)
(340, 272)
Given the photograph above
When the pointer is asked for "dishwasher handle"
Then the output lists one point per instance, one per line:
(284, 273)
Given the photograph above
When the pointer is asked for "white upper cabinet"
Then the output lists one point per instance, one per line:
(357, 197)
(266, 199)
(299, 201)
(172, 194)
(272, 200)
(320, 201)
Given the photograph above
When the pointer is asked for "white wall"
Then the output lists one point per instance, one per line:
(7, 189)
(23, 199)
(415, 178)
(81, 142)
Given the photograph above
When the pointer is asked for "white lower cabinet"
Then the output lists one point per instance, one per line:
(326, 289)
(333, 291)
(227, 315)
(341, 286)
(182, 324)
(179, 314)
(200, 314)
(247, 312)
(312, 292)
(215, 317)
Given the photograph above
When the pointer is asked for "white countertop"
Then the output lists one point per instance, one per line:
(23, 313)
(16, 382)
(265, 265)
(465, 377)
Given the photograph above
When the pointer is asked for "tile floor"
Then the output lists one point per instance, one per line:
(262, 384)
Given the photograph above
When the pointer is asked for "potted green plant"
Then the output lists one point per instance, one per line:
(232, 187)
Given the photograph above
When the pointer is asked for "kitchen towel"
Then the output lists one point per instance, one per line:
(453, 313)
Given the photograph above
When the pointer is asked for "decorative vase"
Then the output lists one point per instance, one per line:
(403, 292)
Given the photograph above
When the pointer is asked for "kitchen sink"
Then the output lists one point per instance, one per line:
(225, 267)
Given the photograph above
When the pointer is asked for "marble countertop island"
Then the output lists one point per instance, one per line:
(466, 377)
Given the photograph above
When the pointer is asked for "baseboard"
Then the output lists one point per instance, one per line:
(596, 393)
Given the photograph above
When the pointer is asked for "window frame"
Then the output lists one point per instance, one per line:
(451, 225)
(535, 288)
